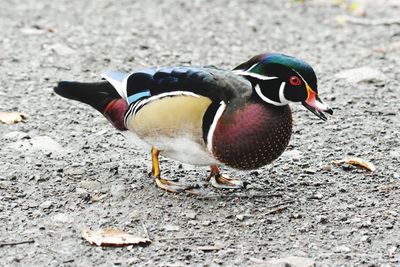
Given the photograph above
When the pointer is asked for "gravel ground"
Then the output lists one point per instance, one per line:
(66, 167)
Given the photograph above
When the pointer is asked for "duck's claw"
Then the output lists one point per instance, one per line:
(221, 182)
(172, 186)
(226, 183)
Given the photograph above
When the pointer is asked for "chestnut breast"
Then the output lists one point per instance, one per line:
(252, 136)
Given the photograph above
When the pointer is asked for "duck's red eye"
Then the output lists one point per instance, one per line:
(294, 80)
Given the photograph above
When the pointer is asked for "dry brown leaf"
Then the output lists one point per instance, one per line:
(111, 237)
(12, 117)
(360, 163)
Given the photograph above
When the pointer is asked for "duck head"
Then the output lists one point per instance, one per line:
(279, 79)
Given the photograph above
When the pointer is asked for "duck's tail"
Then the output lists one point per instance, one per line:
(100, 95)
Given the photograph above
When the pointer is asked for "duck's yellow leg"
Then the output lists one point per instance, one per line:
(161, 182)
(219, 181)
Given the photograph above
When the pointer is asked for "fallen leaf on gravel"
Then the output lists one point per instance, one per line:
(111, 237)
(12, 117)
(360, 163)
(96, 197)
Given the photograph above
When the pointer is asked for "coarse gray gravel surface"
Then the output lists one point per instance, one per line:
(66, 167)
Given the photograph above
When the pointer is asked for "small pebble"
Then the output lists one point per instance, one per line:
(46, 205)
(342, 249)
(206, 223)
(191, 214)
(171, 227)
(240, 217)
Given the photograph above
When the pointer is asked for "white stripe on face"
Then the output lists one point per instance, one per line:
(254, 75)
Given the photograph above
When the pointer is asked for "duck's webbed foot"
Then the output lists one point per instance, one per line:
(221, 182)
(163, 183)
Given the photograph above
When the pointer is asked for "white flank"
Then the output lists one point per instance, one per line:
(213, 125)
(254, 75)
(266, 99)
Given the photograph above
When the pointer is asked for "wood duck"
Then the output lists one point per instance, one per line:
(206, 116)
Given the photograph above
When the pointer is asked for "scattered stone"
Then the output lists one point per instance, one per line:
(171, 228)
(81, 191)
(206, 223)
(291, 261)
(395, 154)
(293, 154)
(364, 74)
(322, 219)
(46, 205)
(118, 191)
(15, 135)
(39, 143)
(240, 217)
(191, 214)
(391, 213)
(90, 185)
(317, 196)
(135, 215)
(33, 31)
(342, 249)
(60, 49)
(62, 218)
(365, 238)
(392, 251)
(310, 170)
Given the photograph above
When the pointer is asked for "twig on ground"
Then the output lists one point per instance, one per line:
(281, 203)
(145, 230)
(17, 243)
(277, 210)
(249, 196)
(181, 238)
